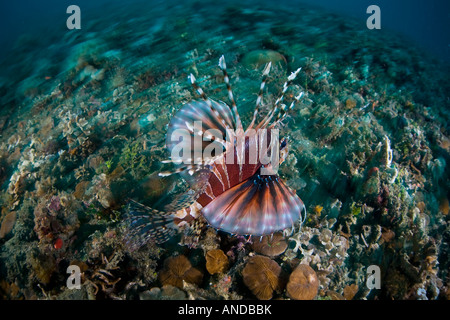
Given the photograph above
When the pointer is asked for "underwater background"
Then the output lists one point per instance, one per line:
(83, 123)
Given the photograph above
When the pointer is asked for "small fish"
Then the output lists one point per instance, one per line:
(232, 194)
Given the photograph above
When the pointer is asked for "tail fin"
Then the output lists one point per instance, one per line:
(145, 224)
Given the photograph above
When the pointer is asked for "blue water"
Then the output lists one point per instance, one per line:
(427, 23)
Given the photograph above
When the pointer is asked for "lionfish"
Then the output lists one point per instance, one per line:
(232, 194)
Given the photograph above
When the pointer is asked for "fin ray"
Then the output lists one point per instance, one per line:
(258, 206)
(146, 224)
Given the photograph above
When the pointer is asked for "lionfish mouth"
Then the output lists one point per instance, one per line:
(231, 171)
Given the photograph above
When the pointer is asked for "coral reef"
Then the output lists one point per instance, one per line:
(56, 221)
(82, 130)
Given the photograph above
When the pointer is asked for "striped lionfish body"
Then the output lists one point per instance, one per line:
(231, 171)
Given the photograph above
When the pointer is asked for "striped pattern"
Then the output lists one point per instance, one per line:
(226, 79)
(258, 206)
(283, 110)
(232, 197)
(213, 110)
(260, 94)
(183, 126)
(147, 224)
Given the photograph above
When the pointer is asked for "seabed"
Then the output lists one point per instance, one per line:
(83, 120)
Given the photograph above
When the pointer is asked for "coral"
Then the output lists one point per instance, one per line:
(333, 295)
(262, 276)
(166, 292)
(133, 160)
(369, 154)
(350, 291)
(223, 287)
(216, 261)
(9, 291)
(178, 269)
(19, 181)
(7, 224)
(43, 266)
(271, 245)
(321, 248)
(106, 198)
(318, 209)
(350, 103)
(102, 275)
(106, 253)
(80, 189)
(259, 58)
(56, 219)
(303, 283)
(146, 262)
(444, 205)
(211, 240)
